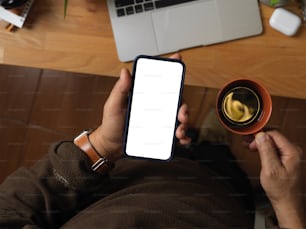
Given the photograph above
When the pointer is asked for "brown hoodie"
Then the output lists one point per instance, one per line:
(60, 191)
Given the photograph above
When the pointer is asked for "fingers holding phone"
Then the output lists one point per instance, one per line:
(154, 103)
(181, 131)
(108, 137)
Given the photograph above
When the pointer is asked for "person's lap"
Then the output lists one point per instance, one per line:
(219, 159)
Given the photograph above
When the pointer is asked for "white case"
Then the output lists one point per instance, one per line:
(285, 22)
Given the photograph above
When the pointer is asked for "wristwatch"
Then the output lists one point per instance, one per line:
(99, 163)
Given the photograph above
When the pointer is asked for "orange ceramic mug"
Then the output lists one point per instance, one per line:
(244, 106)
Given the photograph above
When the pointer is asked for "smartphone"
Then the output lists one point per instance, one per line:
(154, 101)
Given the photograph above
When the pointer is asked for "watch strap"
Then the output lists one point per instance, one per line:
(99, 164)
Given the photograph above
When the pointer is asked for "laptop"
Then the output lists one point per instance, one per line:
(155, 27)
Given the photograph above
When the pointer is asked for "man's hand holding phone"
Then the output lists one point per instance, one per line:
(108, 137)
(154, 102)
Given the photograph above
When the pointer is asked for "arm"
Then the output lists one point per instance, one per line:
(281, 177)
(49, 193)
(60, 185)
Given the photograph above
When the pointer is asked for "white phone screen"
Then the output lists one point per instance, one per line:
(153, 108)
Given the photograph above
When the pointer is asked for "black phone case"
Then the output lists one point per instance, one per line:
(130, 97)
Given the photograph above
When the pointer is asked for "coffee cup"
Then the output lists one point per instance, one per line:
(244, 106)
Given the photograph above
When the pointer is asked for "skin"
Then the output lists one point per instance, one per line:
(281, 177)
(108, 137)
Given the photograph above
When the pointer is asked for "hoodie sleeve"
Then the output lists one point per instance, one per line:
(52, 191)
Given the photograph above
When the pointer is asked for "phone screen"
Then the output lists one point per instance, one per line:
(153, 107)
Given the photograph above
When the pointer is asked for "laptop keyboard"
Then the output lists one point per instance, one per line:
(129, 7)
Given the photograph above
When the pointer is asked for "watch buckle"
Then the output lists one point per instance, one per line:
(98, 164)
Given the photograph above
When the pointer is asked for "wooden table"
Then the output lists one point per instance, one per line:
(83, 42)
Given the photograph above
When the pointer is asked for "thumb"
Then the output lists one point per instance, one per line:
(118, 96)
(267, 152)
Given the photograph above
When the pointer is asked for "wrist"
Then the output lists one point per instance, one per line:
(98, 143)
(290, 214)
(103, 147)
(99, 163)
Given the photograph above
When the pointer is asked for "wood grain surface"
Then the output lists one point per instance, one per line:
(83, 43)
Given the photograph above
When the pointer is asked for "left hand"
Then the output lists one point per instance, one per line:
(108, 137)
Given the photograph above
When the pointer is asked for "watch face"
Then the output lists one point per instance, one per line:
(9, 4)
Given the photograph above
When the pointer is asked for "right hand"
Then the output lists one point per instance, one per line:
(281, 176)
